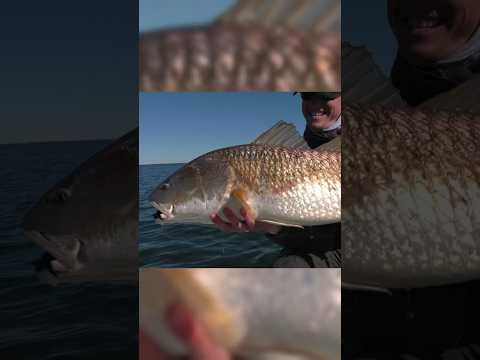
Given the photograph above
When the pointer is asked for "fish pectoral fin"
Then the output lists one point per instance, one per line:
(241, 195)
(281, 224)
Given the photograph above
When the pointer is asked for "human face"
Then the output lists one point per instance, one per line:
(431, 30)
(321, 113)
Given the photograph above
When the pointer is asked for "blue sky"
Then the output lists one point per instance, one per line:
(69, 70)
(177, 127)
(155, 14)
(366, 23)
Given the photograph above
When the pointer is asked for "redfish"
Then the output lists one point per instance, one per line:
(275, 184)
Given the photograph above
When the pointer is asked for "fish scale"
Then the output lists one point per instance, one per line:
(411, 184)
(239, 57)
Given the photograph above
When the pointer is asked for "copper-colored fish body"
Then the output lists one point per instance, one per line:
(235, 57)
(88, 221)
(411, 190)
(277, 184)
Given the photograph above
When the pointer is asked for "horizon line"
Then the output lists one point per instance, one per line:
(53, 141)
(164, 163)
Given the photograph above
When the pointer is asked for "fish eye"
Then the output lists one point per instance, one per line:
(60, 195)
(165, 186)
(63, 194)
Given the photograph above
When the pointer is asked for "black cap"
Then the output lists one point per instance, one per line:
(327, 96)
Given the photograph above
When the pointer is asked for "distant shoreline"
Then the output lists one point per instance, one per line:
(174, 163)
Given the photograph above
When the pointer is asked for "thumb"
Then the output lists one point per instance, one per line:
(194, 334)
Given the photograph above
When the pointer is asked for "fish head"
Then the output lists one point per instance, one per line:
(189, 193)
(163, 199)
(87, 223)
(173, 196)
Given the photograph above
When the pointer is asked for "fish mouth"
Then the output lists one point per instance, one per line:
(163, 214)
(60, 259)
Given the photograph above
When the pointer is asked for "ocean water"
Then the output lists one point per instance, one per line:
(185, 245)
(80, 321)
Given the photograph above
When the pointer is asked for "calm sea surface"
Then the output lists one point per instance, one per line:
(81, 321)
(181, 245)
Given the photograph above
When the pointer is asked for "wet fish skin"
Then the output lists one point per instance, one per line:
(88, 222)
(272, 183)
(247, 310)
(225, 57)
(410, 190)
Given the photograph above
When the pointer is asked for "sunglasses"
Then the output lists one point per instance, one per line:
(324, 96)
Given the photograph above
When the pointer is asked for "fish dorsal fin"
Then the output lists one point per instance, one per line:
(318, 15)
(332, 145)
(464, 97)
(282, 134)
(363, 81)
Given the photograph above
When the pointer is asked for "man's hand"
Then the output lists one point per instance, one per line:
(191, 331)
(237, 225)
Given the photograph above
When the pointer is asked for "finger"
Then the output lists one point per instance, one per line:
(217, 220)
(230, 215)
(194, 334)
(248, 220)
(203, 348)
(148, 350)
(180, 320)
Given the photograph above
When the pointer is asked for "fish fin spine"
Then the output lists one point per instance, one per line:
(281, 223)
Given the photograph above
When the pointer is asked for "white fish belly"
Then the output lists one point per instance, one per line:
(295, 311)
(413, 236)
(196, 211)
(262, 302)
(309, 203)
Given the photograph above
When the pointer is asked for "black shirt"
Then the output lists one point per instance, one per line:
(418, 84)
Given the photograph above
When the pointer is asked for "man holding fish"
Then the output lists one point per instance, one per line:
(277, 184)
(315, 246)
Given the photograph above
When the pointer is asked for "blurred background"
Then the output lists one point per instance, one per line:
(154, 14)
